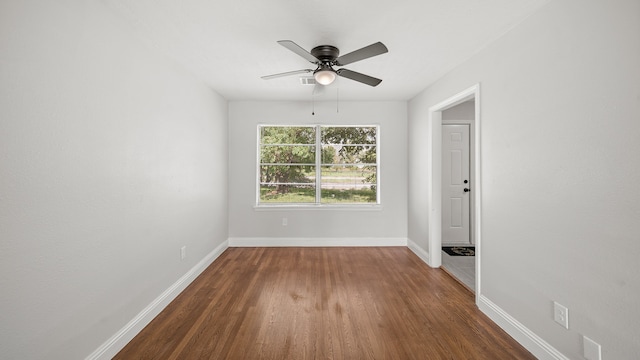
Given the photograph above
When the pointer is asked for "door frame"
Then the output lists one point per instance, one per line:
(434, 179)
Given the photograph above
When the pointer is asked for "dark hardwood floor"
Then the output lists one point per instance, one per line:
(322, 303)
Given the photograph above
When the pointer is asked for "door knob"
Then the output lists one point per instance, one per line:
(466, 190)
(466, 181)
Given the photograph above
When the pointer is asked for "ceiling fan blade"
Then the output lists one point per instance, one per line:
(365, 79)
(304, 71)
(299, 50)
(361, 54)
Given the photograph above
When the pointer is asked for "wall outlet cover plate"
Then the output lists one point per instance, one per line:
(561, 314)
(592, 350)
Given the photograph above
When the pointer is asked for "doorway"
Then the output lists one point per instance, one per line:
(458, 251)
(434, 175)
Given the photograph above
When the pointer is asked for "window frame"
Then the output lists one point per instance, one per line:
(318, 204)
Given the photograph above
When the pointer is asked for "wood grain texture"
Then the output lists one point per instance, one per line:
(322, 303)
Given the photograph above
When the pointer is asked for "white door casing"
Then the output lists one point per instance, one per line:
(456, 185)
(434, 179)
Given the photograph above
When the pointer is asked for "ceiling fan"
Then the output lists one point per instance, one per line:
(325, 57)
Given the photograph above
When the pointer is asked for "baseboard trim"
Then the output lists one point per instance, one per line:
(527, 338)
(118, 341)
(420, 252)
(315, 242)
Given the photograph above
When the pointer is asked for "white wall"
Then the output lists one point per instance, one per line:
(463, 111)
(111, 159)
(325, 227)
(560, 171)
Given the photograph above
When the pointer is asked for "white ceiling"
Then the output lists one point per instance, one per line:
(231, 44)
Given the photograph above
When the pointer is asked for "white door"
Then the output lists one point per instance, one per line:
(456, 183)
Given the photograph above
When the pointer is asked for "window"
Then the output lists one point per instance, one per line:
(318, 165)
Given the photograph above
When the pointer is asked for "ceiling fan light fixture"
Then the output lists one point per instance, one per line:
(325, 76)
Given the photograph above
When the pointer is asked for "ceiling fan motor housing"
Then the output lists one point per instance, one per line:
(325, 53)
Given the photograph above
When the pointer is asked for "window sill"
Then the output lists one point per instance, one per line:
(323, 207)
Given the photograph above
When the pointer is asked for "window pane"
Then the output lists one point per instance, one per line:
(349, 154)
(287, 174)
(347, 168)
(348, 184)
(288, 154)
(349, 135)
(287, 135)
(287, 193)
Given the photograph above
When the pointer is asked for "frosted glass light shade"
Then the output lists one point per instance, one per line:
(324, 77)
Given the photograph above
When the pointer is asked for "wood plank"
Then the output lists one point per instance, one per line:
(322, 303)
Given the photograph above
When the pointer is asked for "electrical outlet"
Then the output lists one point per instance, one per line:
(561, 314)
(591, 349)
(284, 221)
(183, 252)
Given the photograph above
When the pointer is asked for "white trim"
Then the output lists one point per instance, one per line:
(335, 207)
(378, 165)
(318, 146)
(434, 171)
(257, 161)
(434, 192)
(477, 184)
(118, 341)
(423, 255)
(314, 242)
(527, 338)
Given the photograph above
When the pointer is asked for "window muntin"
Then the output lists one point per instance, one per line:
(341, 169)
